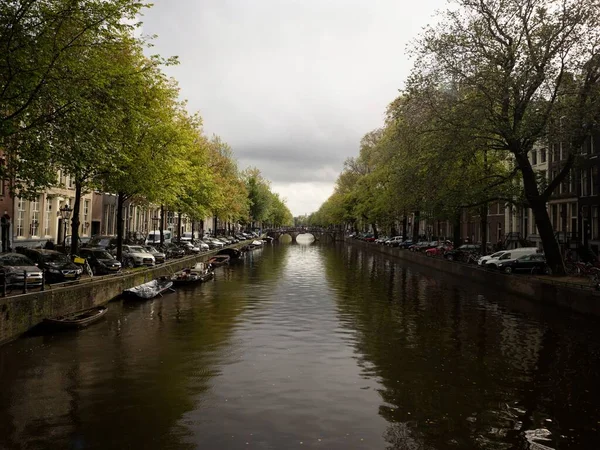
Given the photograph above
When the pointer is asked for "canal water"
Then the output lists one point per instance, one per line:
(310, 346)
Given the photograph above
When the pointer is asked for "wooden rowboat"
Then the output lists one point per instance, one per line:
(78, 319)
(219, 260)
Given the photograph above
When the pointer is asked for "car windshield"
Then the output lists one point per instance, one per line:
(103, 255)
(15, 260)
(497, 255)
(524, 258)
(100, 242)
(137, 248)
(151, 249)
(505, 256)
(55, 257)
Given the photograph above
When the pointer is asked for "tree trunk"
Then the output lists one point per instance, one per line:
(201, 229)
(193, 237)
(75, 218)
(120, 204)
(404, 227)
(375, 231)
(179, 226)
(456, 228)
(162, 224)
(483, 227)
(549, 242)
(415, 230)
(537, 203)
(215, 225)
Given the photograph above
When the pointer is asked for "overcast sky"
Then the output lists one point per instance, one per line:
(291, 85)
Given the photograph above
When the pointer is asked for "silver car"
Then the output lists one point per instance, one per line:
(17, 269)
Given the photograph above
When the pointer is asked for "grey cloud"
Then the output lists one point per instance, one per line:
(290, 85)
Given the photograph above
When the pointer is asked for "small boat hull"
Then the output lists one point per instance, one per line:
(149, 290)
(233, 253)
(197, 274)
(78, 319)
(219, 260)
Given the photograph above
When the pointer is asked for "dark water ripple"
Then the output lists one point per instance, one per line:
(310, 347)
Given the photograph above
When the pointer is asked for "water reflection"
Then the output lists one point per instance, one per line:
(458, 369)
(310, 346)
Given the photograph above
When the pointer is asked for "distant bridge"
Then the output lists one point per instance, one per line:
(320, 234)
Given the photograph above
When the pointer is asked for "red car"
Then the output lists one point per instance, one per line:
(439, 250)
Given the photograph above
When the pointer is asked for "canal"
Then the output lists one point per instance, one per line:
(310, 346)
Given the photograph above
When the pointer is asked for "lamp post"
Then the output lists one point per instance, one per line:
(65, 213)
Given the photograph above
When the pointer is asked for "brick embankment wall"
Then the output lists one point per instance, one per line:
(20, 313)
(581, 299)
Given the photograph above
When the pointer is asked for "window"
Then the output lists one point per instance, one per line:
(572, 182)
(34, 225)
(555, 217)
(585, 147)
(47, 217)
(595, 231)
(585, 183)
(561, 152)
(20, 216)
(534, 157)
(594, 181)
(543, 155)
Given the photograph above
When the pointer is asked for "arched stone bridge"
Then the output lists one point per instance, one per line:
(320, 234)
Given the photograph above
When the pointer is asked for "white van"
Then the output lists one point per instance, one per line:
(512, 254)
(153, 237)
(494, 256)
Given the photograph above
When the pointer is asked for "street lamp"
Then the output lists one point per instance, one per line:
(155, 220)
(65, 213)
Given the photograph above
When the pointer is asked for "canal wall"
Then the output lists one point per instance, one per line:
(20, 313)
(576, 298)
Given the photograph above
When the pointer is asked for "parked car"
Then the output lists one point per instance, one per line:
(405, 244)
(369, 237)
(189, 248)
(394, 241)
(14, 266)
(106, 242)
(159, 257)
(494, 256)
(136, 256)
(214, 243)
(419, 246)
(511, 255)
(462, 252)
(57, 266)
(172, 251)
(534, 263)
(484, 259)
(101, 262)
(440, 250)
(203, 246)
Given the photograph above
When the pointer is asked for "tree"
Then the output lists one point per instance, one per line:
(525, 64)
(258, 195)
(44, 75)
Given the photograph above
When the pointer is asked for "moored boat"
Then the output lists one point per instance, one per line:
(78, 319)
(233, 253)
(150, 289)
(257, 243)
(200, 273)
(219, 260)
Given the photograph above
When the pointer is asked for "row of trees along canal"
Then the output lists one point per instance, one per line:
(79, 94)
(492, 79)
